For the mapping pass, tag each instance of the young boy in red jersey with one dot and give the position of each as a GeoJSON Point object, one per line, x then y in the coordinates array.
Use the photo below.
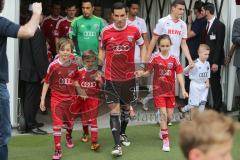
{"type": "Point", "coordinates": [89, 106]}
{"type": "Point", "coordinates": [60, 78]}
{"type": "Point", "coordinates": [165, 67]}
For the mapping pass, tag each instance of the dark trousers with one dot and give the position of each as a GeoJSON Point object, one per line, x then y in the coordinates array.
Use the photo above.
{"type": "Point", "coordinates": [215, 83]}
{"type": "Point", "coordinates": [31, 101]}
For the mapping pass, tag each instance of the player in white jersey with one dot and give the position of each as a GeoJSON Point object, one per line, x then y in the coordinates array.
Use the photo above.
{"type": "Point", "coordinates": [199, 85]}
{"type": "Point", "coordinates": [175, 28]}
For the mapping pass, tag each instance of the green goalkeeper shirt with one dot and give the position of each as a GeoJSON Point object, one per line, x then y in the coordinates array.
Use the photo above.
{"type": "Point", "coordinates": [85, 32]}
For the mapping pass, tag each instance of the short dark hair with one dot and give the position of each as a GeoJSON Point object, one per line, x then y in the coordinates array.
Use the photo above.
{"type": "Point", "coordinates": [130, 2]}
{"type": "Point", "coordinates": [55, 3]}
{"type": "Point", "coordinates": [1, 5]}
{"type": "Point", "coordinates": [164, 36]}
{"type": "Point", "coordinates": [198, 6]}
{"type": "Point", "coordinates": [87, 1]}
{"type": "Point", "coordinates": [118, 5]}
{"type": "Point", "coordinates": [88, 54]}
{"type": "Point", "coordinates": [97, 5]}
{"type": "Point", "coordinates": [209, 7]}
{"type": "Point", "coordinates": [70, 4]}
{"type": "Point", "coordinates": [178, 2]}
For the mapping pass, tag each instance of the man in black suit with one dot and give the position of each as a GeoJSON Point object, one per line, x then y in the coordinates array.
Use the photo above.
{"type": "Point", "coordinates": [214, 37]}
{"type": "Point", "coordinates": [33, 67]}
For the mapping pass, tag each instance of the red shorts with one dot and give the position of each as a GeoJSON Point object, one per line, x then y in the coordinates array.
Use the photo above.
{"type": "Point", "coordinates": [61, 115]}
{"type": "Point", "coordinates": [87, 109]}
{"type": "Point", "coordinates": [164, 102]}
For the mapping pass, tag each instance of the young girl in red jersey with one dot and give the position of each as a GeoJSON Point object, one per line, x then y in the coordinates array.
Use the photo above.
{"type": "Point", "coordinates": [89, 106]}
{"type": "Point", "coordinates": [165, 67]}
{"type": "Point", "coordinates": [60, 78]}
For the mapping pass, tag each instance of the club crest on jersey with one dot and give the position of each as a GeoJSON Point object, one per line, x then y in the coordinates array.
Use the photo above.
{"type": "Point", "coordinates": [130, 38]}
{"type": "Point", "coordinates": [170, 65]}
{"type": "Point", "coordinates": [96, 26]}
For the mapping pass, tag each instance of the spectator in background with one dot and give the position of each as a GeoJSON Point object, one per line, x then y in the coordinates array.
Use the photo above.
{"type": "Point", "coordinates": [49, 25]}
{"type": "Point", "coordinates": [33, 67]}
{"type": "Point", "coordinates": [63, 25]}
{"type": "Point", "coordinates": [10, 29]}
{"type": "Point", "coordinates": [98, 12]}
{"type": "Point", "coordinates": [214, 38]}
{"type": "Point", "coordinates": [195, 32]}
{"type": "Point", "coordinates": [208, 136]}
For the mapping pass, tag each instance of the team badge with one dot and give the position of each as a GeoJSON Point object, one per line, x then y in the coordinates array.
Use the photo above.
{"type": "Point", "coordinates": [96, 26]}
{"type": "Point", "coordinates": [130, 38]}
{"type": "Point", "coordinates": [170, 65]}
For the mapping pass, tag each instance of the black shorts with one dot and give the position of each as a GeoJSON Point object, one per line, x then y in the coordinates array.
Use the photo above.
{"type": "Point", "coordinates": [119, 92]}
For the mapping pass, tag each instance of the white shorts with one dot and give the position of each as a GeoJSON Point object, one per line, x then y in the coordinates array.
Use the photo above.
{"type": "Point", "coordinates": [198, 93]}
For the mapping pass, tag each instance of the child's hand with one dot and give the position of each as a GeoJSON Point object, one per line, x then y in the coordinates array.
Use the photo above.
{"type": "Point", "coordinates": [185, 94]}
{"type": "Point", "coordinates": [207, 84]}
{"type": "Point", "coordinates": [139, 73]}
{"type": "Point", "coordinates": [42, 105]}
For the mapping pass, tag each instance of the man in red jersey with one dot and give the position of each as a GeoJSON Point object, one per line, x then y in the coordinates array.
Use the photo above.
{"type": "Point", "coordinates": [117, 51]}
{"type": "Point", "coordinates": [49, 25]}
{"type": "Point", "coordinates": [63, 25]}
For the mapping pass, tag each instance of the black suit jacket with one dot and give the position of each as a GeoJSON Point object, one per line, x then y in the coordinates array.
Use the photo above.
{"type": "Point", "coordinates": [216, 44]}
{"type": "Point", "coordinates": [33, 58]}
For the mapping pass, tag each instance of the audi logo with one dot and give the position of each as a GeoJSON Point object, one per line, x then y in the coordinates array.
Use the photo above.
{"type": "Point", "coordinates": [204, 74]}
{"type": "Point", "coordinates": [88, 84]}
{"type": "Point", "coordinates": [66, 81]}
{"type": "Point", "coordinates": [89, 34]}
{"type": "Point", "coordinates": [125, 46]}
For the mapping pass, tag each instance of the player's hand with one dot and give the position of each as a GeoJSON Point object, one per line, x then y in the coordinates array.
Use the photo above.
{"type": "Point", "coordinates": [214, 67]}
{"type": "Point", "coordinates": [185, 94]}
{"type": "Point", "coordinates": [37, 8]}
{"type": "Point", "coordinates": [207, 84]}
{"type": "Point", "coordinates": [191, 66]}
{"type": "Point", "coordinates": [138, 73]}
{"type": "Point", "coordinates": [227, 60]}
{"type": "Point", "coordinates": [42, 106]}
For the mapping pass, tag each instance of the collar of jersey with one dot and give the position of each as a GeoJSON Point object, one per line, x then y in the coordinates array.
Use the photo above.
{"type": "Point", "coordinates": [160, 54]}
{"type": "Point", "coordinates": [120, 29]}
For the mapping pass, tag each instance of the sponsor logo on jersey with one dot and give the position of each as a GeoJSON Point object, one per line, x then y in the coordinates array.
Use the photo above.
{"type": "Point", "coordinates": [65, 81]}
{"type": "Point", "coordinates": [89, 34]}
{"type": "Point", "coordinates": [86, 84]}
{"type": "Point", "coordinates": [125, 46]}
{"type": "Point", "coordinates": [174, 32]}
{"type": "Point", "coordinates": [204, 74]}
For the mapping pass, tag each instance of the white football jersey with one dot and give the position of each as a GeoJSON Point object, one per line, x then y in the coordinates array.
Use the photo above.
{"type": "Point", "coordinates": [201, 71]}
{"type": "Point", "coordinates": [176, 29]}
{"type": "Point", "coordinates": [141, 25]}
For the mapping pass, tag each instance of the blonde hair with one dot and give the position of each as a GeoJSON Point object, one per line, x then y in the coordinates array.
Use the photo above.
{"type": "Point", "coordinates": [203, 47]}
{"type": "Point", "coordinates": [63, 42]}
{"type": "Point", "coordinates": [206, 129]}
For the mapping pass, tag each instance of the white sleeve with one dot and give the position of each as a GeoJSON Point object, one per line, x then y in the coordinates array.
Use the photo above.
{"type": "Point", "coordinates": [144, 27]}
{"type": "Point", "coordinates": [184, 31]}
{"type": "Point", "coordinates": [159, 30]}
{"type": "Point", "coordinates": [140, 41]}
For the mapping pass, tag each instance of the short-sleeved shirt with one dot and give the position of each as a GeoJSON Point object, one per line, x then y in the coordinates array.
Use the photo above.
{"type": "Point", "coordinates": [141, 24]}
{"type": "Point", "coordinates": [91, 86]}
{"type": "Point", "coordinates": [7, 29]}
{"type": "Point", "coordinates": [60, 79]}
{"type": "Point", "coordinates": [198, 27]}
{"type": "Point", "coordinates": [62, 28]}
{"type": "Point", "coordinates": [200, 73]}
{"type": "Point", "coordinates": [164, 70]}
{"type": "Point", "coordinates": [87, 32]}
{"type": "Point", "coordinates": [119, 46]}
{"type": "Point", "coordinates": [176, 29]}
{"type": "Point", "coordinates": [48, 28]}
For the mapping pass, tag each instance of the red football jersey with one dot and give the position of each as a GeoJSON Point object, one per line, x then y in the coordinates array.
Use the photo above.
{"type": "Point", "coordinates": [60, 77]}
{"type": "Point", "coordinates": [86, 81]}
{"type": "Point", "coordinates": [48, 28]}
{"type": "Point", "coordinates": [62, 28]}
{"type": "Point", "coordinates": [165, 69]}
{"type": "Point", "coordinates": [119, 46]}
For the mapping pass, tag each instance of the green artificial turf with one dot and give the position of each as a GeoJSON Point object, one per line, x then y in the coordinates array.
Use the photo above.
{"type": "Point", "coordinates": [146, 145]}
